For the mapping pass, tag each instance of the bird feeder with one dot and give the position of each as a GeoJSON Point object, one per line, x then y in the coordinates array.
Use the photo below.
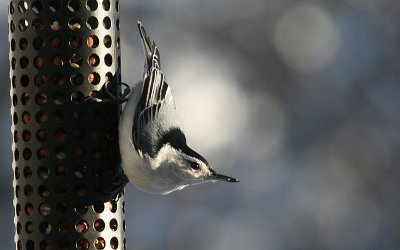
{"type": "Point", "coordinates": [65, 147]}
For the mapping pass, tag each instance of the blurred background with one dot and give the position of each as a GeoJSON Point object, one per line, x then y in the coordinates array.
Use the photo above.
{"type": "Point", "coordinates": [297, 99]}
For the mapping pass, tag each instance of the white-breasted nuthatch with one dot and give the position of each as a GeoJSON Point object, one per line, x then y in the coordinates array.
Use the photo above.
{"type": "Point", "coordinates": [154, 153]}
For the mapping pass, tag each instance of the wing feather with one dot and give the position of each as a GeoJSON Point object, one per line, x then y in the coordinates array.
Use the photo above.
{"type": "Point", "coordinates": [155, 113]}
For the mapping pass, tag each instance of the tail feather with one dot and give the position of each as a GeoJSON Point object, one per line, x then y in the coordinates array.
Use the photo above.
{"type": "Point", "coordinates": [150, 49]}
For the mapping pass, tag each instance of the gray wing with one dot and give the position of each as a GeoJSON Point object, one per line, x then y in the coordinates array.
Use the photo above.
{"type": "Point", "coordinates": [155, 114]}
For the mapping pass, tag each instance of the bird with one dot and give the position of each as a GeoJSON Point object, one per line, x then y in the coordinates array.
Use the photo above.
{"type": "Point", "coordinates": [154, 153]}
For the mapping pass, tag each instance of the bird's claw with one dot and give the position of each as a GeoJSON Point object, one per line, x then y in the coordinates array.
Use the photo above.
{"type": "Point", "coordinates": [112, 99]}
{"type": "Point", "coordinates": [119, 186]}
{"type": "Point", "coordinates": [113, 189]}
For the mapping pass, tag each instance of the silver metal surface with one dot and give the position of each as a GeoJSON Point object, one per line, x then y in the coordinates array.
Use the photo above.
{"type": "Point", "coordinates": [65, 147]}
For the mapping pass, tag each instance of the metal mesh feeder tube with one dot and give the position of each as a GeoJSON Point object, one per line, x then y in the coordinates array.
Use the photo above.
{"type": "Point", "coordinates": [65, 147]}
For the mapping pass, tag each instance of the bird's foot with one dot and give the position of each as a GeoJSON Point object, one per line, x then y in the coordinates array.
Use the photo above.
{"type": "Point", "coordinates": [118, 187]}
{"type": "Point", "coordinates": [111, 98]}
{"type": "Point", "coordinates": [113, 190]}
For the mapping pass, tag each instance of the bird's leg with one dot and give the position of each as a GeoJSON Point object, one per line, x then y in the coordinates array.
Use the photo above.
{"type": "Point", "coordinates": [114, 188]}
{"type": "Point", "coordinates": [119, 186]}
{"type": "Point", "coordinates": [112, 99]}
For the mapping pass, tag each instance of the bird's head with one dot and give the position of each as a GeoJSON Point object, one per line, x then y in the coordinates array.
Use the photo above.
{"type": "Point", "coordinates": [197, 170]}
{"type": "Point", "coordinates": [191, 168]}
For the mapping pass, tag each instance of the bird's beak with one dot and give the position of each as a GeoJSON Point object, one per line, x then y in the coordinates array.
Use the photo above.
{"type": "Point", "coordinates": [220, 177]}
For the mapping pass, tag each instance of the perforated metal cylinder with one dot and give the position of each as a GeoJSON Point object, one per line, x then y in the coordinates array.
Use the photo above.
{"type": "Point", "coordinates": [65, 146]}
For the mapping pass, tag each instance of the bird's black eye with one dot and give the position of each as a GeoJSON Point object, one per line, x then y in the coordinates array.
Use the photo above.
{"type": "Point", "coordinates": [195, 165]}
